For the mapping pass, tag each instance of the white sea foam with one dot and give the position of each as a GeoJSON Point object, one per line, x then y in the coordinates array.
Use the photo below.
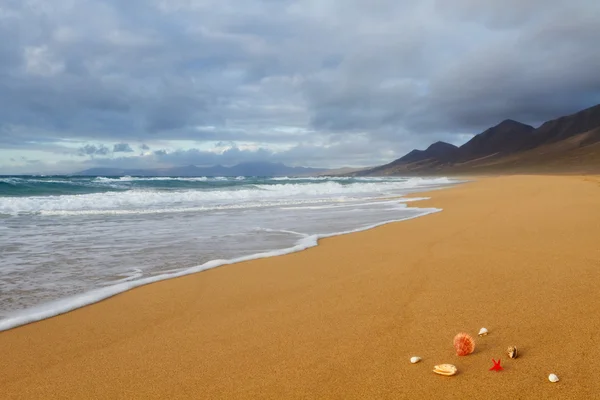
{"type": "Point", "coordinates": [283, 204]}
{"type": "Point", "coordinates": [280, 231]}
{"type": "Point", "coordinates": [68, 304]}
{"type": "Point", "coordinates": [308, 178]}
{"type": "Point", "coordinates": [149, 201]}
{"type": "Point", "coordinates": [346, 203]}
{"type": "Point", "coordinates": [132, 275]}
{"type": "Point", "coordinates": [216, 207]}
{"type": "Point", "coordinates": [14, 180]}
{"type": "Point", "coordinates": [152, 178]}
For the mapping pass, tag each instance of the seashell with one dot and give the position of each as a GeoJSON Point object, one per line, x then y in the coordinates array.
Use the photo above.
{"type": "Point", "coordinates": [464, 344]}
{"type": "Point", "coordinates": [445, 369]}
{"type": "Point", "coordinates": [415, 359]}
{"type": "Point", "coordinates": [483, 332]}
{"type": "Point", "coordinates": [553, 378]}
{"type": "Point", "coordinates": [512, 352]}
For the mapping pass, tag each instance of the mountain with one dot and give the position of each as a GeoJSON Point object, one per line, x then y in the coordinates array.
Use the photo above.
{"type": "Point", "coordinates": [440, 151]}
{"type": "Point", "coordinates": [341, 171]}
{"type": "Point", "coordinates": [506, 137]}
{"type": "Point", "coordinates": [565, 127]}
{"type": "Point", "coordinates": [432, 157]}
{"type": "Point", "coordinates": [258, 168]}
{"type": "Point", "coordinates": [567, 144]}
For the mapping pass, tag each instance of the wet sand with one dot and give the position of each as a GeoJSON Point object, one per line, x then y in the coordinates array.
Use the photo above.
{"type": "Point", "coordinates": [519, 255]}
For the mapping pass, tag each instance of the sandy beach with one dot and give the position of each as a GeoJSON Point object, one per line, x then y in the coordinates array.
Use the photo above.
{"type": "Point", "coordinates": [519, 255]}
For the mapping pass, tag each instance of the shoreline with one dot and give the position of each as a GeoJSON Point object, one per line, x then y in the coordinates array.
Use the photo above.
{"type": "Point", "coordinates": [64, 305]}
{"type": "Point", "coordinates": [516, 254]}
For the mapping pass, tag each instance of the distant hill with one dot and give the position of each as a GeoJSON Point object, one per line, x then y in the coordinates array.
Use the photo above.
{"type": "Point", "coordinates": [506, 137]}
{"type": "Point", "coordinates": [436, 155]}
{"type": "Point", "coordinates": [440, 151]}
{"type": "Point", "coordinates": [341, 171]}
{"type": "Point", "coordinates": [566, 144]}
{"type": "Point", "coordinates": [567, 127]}
{"type": "Point", "coordinates": [243, 169]}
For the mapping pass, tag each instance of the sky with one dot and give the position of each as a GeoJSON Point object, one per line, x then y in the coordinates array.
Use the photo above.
{"type": "Point", "coordinates": [321, 83]}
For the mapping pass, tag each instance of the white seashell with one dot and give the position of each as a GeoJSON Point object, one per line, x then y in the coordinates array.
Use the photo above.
{"type": "Point", "coordinates": [483, 332]}
{"type": "Point", "coordinates": [415, 359]}
{"type": "Point", "coordinates": [553, 378]}
{"type": "Point", "coordinates": [445, 369]}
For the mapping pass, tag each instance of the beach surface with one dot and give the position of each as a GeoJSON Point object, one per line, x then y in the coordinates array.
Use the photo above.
{"type": "Point", "coordinates": [519, 255]}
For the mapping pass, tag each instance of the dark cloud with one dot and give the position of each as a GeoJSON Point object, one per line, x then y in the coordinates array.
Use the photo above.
{"type": "Point", "coordinates": [201, 157]}
{"type": "Point", "coordinates": [508, 14]}
{"type": "Point", "coordinates": [93, 150]}
{"type": "Point", "coordinates": [122, 148]}
{"type": "Point", "coordinates": [336, 82]}
{"type": "Point", "coordinates": [509, 61]}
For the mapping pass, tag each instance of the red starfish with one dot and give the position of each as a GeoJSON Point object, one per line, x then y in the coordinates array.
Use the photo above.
{"type": "Point", "coordinates": [496, 366]}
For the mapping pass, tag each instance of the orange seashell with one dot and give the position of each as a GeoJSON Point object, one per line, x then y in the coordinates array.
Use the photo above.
{"type": "Point", "coordinates": [464, 344]}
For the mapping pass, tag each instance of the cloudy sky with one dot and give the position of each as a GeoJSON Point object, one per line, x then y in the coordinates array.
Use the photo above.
{"type": "Point", "coordinates": [148, 83]}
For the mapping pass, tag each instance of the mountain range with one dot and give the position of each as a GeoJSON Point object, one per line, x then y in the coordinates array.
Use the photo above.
{"type": "Point", "coordinates": [243, 169]}
{"type": "Point", "coordinates": [569, 144]}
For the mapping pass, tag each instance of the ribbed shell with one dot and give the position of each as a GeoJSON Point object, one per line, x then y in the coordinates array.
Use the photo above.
{"type": "Point", "coordinates": [512, 352]}
{"type": "Point", "coordinates": [464, 344]}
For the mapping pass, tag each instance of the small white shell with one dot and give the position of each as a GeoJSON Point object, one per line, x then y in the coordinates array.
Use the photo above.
{"type": "Point", "coordinates": [483, 332]}
{"type": "Point", "coordinates": [553, 378]}
{"type": "Point", "coordinates": [415, 359]}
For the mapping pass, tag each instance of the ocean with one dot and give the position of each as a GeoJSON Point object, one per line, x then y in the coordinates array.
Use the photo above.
{"type": "Point", "coordinates": [66, 242]}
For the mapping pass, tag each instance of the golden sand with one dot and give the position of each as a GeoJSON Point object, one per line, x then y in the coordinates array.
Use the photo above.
{"type": "Point", "coordinates": [519, 255]}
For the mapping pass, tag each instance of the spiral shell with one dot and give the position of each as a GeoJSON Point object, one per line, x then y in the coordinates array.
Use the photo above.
{"type": "Point", "coordinates": [512, 352]}
{"type": "Point", "coordinates": [464, 344]}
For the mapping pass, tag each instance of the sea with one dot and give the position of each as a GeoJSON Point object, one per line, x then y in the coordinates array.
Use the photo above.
{"type": "Point", "coordinates": [69, 241]}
